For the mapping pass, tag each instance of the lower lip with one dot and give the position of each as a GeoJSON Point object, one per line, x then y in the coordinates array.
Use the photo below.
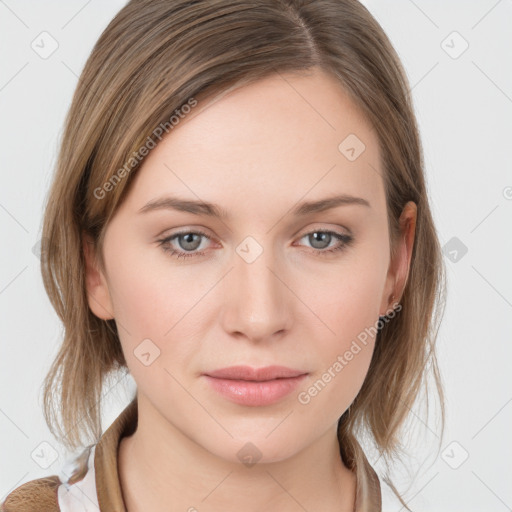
{"type": "Point", "coordinates": [252, 393]}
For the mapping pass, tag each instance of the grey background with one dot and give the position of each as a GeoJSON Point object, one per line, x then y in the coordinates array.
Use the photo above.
{"type": "Point", "coordinates": [463, 102]}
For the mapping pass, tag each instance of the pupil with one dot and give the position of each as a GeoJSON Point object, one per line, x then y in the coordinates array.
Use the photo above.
{"type": "Point", "coordinates": [321, 237]}
{"type": "Point", "coordinates": [189, 240]}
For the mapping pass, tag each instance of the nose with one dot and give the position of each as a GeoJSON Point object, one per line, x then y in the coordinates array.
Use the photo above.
{"type": "Point", "coordinates": [256, 302]}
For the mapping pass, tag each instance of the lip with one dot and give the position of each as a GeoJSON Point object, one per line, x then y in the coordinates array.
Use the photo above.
{"type": "Point", "coordinates": [257, 374]}
{"type": "Point", "coordinates": [254, 387]}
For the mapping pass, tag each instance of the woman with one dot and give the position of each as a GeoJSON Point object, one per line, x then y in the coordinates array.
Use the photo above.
{"type": "Point", "coordinates": [239, 219]}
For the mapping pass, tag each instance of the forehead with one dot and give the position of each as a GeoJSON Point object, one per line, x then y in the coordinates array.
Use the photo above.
{"type": "Point", "coordinates": [285, 137]}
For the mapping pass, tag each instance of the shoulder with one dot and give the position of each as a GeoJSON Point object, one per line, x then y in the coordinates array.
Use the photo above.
{"type": "Point", "coordinates": [44, 494]}
{"type": "Point", "coordinates": [33, 496]}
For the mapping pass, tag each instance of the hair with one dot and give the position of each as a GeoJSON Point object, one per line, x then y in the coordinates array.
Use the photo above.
{"type": "Point", "coordinates": [150, 61]}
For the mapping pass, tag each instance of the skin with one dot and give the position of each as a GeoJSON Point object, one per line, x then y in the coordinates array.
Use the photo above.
{"type": "Point", "coordinates": [257, 152]}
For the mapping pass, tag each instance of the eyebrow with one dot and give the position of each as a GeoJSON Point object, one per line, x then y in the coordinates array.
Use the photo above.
{"type": "Point", "coordinates": [213, 210]}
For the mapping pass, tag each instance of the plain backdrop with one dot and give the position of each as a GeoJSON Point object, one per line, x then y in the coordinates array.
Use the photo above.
{"type": "Point", "coordinates": [457, 58]}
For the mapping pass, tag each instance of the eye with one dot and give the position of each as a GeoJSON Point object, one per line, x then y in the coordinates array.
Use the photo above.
{"type": "Point", "coordinates": [187, 240]}
{"type": "Point", "coordinates": [321, 240]}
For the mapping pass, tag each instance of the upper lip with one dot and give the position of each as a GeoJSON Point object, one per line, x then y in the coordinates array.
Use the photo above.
{"type": "Point", "coordinates": [256, 374]}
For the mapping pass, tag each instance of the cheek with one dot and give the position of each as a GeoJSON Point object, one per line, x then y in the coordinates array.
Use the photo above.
{"type": "Point", "coordinates": [153, 300]}
{"type": "Point", "coordinates": [149, 293]}
{"type": "Point", "coordinates": [348, 301]}
{"type": "Point", "coordinates": [139, 298]}
{"type": "Point", "coordinates": [147, 313]}
{"type": "Point", "coordinates": [349, 307]}
{"type": "Point", "coordinates": [345, 357]}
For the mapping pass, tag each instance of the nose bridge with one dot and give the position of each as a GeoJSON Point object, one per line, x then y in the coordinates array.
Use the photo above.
{"type": "Point", "coordinates": [257, 299]}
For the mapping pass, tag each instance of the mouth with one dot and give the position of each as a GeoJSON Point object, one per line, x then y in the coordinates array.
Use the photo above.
{"type": "Point", "coordinates": [255, 374]}
{"type": "Point", "coordinates": [254, 387]}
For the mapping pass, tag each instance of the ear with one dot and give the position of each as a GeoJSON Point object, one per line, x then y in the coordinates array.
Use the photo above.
{"type": "Point", "coordinates": [98, 295]}
{"type": "Point", "coordinates": [399, 266]}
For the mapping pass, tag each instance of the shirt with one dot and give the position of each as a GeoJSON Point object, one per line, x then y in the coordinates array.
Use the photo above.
{"type": "Point", "coordinates": [90, 482]}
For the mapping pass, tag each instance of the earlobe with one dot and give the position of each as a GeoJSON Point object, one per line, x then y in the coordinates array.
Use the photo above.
{"type": "Point", "coordinates": [399, 268]}
{"type": "Point", "coordinates": [98, 295]}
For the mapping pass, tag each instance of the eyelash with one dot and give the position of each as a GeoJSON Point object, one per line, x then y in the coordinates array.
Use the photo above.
{"type": "Point", "coordinates": [346, 240]}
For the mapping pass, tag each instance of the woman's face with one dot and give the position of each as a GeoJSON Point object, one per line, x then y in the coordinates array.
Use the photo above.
{"type": "Point", "coordinates": [281, 277]}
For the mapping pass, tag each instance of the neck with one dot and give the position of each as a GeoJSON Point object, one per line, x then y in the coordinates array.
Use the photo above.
{"type": "Point", "coordinates": [159, 465]}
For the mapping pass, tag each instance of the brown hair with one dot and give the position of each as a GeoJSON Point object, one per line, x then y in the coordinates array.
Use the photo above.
{"type": "Point", "coordinates": [151, 60]}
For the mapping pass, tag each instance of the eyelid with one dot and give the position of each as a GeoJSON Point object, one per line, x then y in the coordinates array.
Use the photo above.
{"type": "Point", "coordinates": [169, 232]}
{"type": "Point", "coordinates": [340, 230]}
